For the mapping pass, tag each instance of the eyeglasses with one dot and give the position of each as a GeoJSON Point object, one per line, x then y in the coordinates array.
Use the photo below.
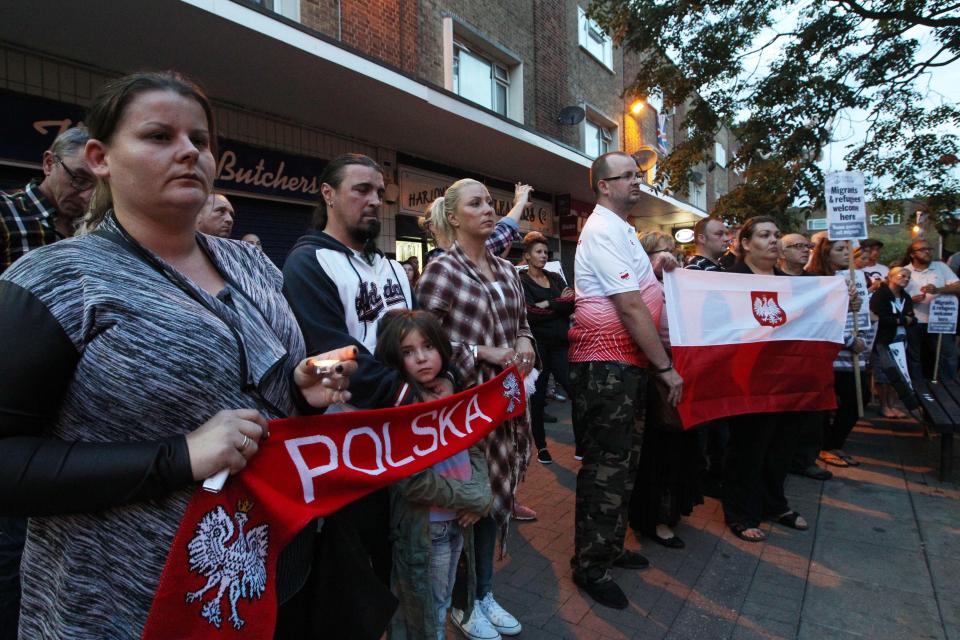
{"type": "Point", "coordinates": [78, 182]}
{"type": "Point", "coordinates": [924, 249]}
{"type": "Point", "coordinates": [632, 175]}
{"type": "Point", "coordinates": [798, 245]}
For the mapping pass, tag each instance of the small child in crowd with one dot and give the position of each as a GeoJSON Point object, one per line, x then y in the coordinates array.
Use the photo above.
{"type": "Point", "coordinates": [432, 512]}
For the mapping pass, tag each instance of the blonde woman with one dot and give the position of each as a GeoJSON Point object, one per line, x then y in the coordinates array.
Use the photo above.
{"type": "Point", "coordinates": [480, 303]}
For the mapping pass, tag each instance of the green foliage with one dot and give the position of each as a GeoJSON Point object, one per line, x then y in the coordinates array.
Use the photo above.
{"type": "Point", "coordinates": [827, 58]}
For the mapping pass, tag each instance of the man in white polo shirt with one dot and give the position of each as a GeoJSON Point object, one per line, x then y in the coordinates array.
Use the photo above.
{"type": "Point", "coordinates": [928, 279]}
{"type": "Point", "coordinates": [613, 343]}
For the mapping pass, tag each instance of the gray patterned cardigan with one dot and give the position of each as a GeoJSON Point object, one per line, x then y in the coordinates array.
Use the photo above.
{"type": "Point", "coordinates": [107, 364]}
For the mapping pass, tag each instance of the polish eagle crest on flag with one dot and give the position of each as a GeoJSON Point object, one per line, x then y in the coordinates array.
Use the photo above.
{"type": "Point", "coordinates": [766, 308]}
{"type": "Point", "coordinates": [237, 570]}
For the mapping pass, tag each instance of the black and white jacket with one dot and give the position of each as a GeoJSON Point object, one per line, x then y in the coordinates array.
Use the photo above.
{"type": "Point", "coordinates": [339, 298]}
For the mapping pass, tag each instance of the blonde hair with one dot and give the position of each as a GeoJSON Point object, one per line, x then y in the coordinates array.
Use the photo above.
{"type": "Point", "coordinates": [100, 204]}
{"type": "Point", "coordinates": [650, 239]}
{"type": "Point", "coordinates": [443, 208]}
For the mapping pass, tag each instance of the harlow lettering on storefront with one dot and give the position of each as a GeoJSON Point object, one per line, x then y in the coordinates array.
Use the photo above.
{"type": "Point", "coordinates": [227, 171]}
{"type": "Point", "coordinates": [431, 429]}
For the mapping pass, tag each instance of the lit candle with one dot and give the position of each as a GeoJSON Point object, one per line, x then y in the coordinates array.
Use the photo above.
{"type": "Point", "coordinates": [323, 367]}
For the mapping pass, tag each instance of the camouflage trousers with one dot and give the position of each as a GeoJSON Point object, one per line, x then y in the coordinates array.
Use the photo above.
{"type": "Point", "coordinates": [609, 400]}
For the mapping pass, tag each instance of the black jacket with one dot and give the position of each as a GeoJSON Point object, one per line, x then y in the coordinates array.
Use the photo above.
{"type": "Point", "coordinates": [319, 274]}
{"type": "Point", "coordinates": [550, 325]}
{"type": "Point", "coordinates": [888, 319]}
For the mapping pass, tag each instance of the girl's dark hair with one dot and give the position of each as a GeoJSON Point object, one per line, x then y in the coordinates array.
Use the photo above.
{"type": "Point", "coordinates": [108, 110]}
{"type": "Point", "coordinates": [820, 264]}
{"type": "Point", "coordinates": [333, 176]}
{"type": "Point", "coordinates": [747, 230]}
{"type": "Point", "coordinates": [397, 325]}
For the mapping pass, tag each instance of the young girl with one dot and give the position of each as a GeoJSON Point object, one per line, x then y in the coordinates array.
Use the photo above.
{"type": "Point", "coordinates": [432, 512]}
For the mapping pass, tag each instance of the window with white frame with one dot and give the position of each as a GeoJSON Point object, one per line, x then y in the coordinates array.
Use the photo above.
{"type": "Point", "coordinates": [480, 79]}
{"type": "Point", "coordinates": [286, 8]}
{"type": "Point", "coordinates": [594, 40]}
{"type": "Point", "coordinates": [719, 154]}
{"type": "Point", "coordinates": [482, 71]}
{"type": "Point", "coordinates": [597, 139]}
{"type": "Point", "coordinates": [698, 190]}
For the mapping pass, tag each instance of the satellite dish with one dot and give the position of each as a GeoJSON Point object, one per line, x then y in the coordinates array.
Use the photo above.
{"type": "Point", "coordinates": [571, 115]}
{"type": "Point", "coordinates": [645, 157]}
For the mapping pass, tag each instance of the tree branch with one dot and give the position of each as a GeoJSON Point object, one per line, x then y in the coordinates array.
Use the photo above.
{"type": "Point", "coordinates": [907, 16]}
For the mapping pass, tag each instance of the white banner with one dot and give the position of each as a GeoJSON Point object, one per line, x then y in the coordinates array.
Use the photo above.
{"type": "Point", "coordinates": [846, 205]}
{"type": "Point", "coordinates": [899, 352]}
{"type": "Point", "coordinates": [712, 308]}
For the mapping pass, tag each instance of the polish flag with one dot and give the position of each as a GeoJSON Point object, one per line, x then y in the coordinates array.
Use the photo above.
{"type": "Point", "coordinates": [753, 344]}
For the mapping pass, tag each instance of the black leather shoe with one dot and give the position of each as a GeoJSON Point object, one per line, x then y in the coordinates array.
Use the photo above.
{"type": "Point", "coordinates": [631, 560]}
{"type": "Point", "coordinates": [817, 473]}
{"type": "Point", "coordinates": [605, 591]}
{"type": "Point", "coordinates": [670, 543]}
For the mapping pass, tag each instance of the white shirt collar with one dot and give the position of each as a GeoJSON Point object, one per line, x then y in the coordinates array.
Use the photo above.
{"type": "Point", "coordinates": [612, 215]}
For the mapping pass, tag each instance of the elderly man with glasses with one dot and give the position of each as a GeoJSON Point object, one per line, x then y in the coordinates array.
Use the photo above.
{"type": "Point", "coordinates": [794, 254]}
{"type": "Point", "coordinates": [928, 279]}
{"type": "Point", "coordinates": [41, 213]}
{"type": "Point", "coordinates": [47, 210]}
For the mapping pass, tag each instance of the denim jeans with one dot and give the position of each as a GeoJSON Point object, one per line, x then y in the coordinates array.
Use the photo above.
{"type": "Point", "coordinates": [446, 543]}
{"type": "Point", "coordinates": [484, 546]}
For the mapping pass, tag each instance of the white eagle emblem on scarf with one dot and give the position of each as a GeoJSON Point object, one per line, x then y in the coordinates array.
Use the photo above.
{"type": "Point", "coordinates": [238, 570]}
{"type": "Point", "coordinates": [511, 390]}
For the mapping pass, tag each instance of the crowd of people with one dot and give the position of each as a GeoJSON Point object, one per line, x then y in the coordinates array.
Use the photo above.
{"type": "Point", "coordinates": [150, 351]}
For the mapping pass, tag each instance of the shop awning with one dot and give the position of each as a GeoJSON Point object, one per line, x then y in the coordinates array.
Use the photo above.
{"type": "Point", "coordinates": [258, 61]}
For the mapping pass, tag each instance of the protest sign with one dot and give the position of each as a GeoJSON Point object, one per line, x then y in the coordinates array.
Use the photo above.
{"type": "Point", "coordinates": [846, 206]}
{"type": "Point", "coordinates": [943, 315]}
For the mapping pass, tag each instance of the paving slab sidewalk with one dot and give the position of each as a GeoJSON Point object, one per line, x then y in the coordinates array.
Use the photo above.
{"type": "Point", "coordinates": [881, 559]}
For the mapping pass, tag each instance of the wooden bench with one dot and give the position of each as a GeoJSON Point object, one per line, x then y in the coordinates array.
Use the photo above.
{"type": "Point", "coordinates": [941, 408]}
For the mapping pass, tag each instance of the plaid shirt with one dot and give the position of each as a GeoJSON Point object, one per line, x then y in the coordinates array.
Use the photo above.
{"type": "Point", "coordinates": [474, 310]}
{"type": "Point", "coordinates": [26, 223]}
{"type": "Point", "coordinates": [502, 236]}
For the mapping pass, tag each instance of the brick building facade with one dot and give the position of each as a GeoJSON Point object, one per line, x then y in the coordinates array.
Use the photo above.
{"type": "Point", "coordinates": [296, 82]}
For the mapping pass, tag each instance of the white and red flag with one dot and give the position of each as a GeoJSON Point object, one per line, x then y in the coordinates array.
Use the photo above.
{"type": "Point", "coordinates": [753, 344]}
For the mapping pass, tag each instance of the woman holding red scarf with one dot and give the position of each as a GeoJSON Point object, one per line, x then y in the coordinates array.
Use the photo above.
{"type": "Point", "coordinates": [138, 360]}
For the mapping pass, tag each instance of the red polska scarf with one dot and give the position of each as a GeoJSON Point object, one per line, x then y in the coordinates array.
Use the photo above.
{"type": "Point", "coordinates": [219, 578]}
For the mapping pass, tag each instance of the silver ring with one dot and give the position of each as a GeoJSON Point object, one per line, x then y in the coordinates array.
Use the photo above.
{"type": "Point", "coordinates": [245, 443]}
